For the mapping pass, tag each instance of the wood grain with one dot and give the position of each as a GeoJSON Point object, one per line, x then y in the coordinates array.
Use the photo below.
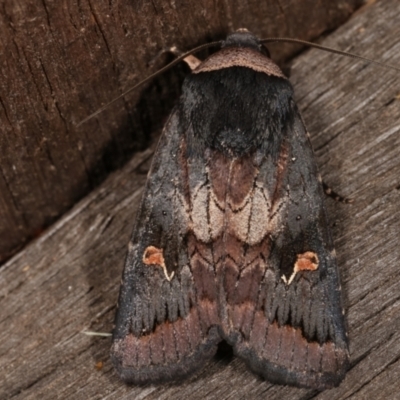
{"type": "Point", "coordinates": [67, 280]}
{"type": "Point", "coordinates": [61, 61]}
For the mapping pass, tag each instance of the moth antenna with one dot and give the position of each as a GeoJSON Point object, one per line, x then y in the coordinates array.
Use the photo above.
{"type": "Point", "coordinates": [160, 71]}
{"type": "Point", "coordinates": [330, 50]}
{"type": "Point", "coordinates": [207, 45]}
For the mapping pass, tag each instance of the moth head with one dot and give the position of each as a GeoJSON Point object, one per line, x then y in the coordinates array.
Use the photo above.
{"type": "Point", "coordinates": [244, 38]}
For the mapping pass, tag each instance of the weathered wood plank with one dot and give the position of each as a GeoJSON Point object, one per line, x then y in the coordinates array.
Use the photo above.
{"type": "Point", "coordinates": [68, 279]}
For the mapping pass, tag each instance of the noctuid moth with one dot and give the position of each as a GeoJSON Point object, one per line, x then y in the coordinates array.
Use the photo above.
{"type": "Point", "coordinates": [231, 241]}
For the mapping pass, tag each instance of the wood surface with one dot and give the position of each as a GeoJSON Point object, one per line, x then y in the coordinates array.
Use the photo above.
{"type": "Point", "coordinates": [67, 280]}
{"type": "Point", "coordinates": [62, 60]}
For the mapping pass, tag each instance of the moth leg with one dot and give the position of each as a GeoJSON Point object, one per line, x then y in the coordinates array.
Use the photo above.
{"type": "Point", "coordinates": [335, 196]}
{"type": "Point", "coordinates": [191, 60]}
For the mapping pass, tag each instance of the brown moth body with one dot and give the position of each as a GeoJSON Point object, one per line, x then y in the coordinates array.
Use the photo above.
{"type": "Point", "coordinates": [233, 214]}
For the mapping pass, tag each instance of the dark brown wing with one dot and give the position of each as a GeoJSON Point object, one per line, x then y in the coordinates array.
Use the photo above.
{"type": "Point", "coordinates": [167, 308]}
{"type": "Point", "coordinates": [284, 314]}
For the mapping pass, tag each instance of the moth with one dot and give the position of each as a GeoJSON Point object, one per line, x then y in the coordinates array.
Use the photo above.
{"type": "Point", "coordinates": [231, 240]}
